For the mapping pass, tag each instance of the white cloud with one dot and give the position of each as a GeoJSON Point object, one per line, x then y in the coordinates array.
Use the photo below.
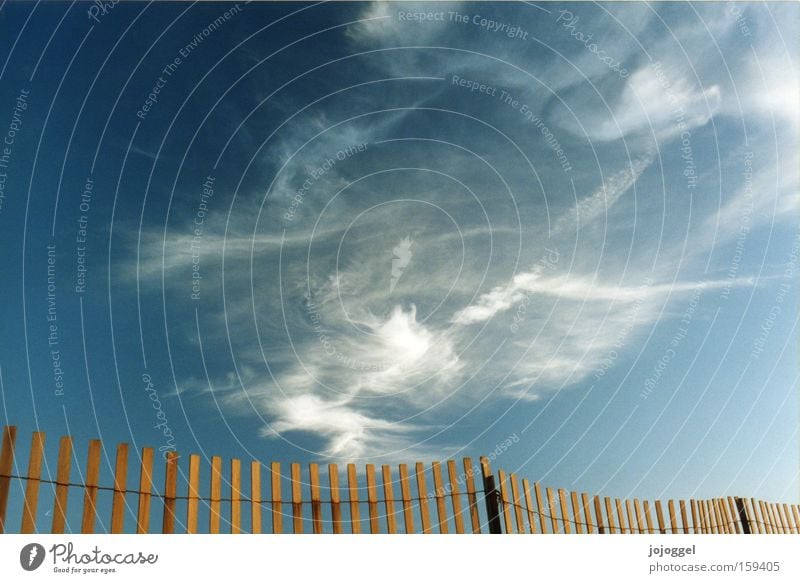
{"type": "Point", "coordinates": [652, 102]}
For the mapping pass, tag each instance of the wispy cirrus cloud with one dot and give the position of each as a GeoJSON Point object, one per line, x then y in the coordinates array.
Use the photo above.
{"type": "Point", "coordinates": [330, 342]}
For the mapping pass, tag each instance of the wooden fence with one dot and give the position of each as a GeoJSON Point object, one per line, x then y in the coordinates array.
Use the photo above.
{"type": "Point", "coordinates": [466, 498]}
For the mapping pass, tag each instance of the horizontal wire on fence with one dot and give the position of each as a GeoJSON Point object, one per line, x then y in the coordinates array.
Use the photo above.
{"type": "Point", "coordinates": [498, 498]}
{"type": "Point", "coordinates": [156, 494]}
{"type": "Point", "coordinates": [267, 503]}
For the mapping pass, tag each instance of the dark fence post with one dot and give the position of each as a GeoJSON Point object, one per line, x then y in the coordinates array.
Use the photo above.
{"type": "Point", "coordinates": [743, 516]}
{"type": "Point", "coordinates": [491, 494]}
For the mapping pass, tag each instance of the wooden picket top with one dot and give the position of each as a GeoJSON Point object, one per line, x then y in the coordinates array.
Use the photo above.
{"type": "Point", "coordinates": [193, 495]}
{"type": "Point", "coordinates": [277, 516]}
{"type": "Point", "coordinates": [32, 484]}
{"type": "Point", "coordinates": [236, 496]}
{"type": "Point", "coordinates": [62, 486]}
{"type": "Point", "coordinates": [316, 499]}
{"type": "Point", "coordinates": [405, 496]}
{"type": "Point", "coordinates": [499, 502]}
{"type": "Point", "coordinates": [388, 497]}
{"type": "Point", "coordinates": [336, 509]}
{"type": "Point", "coordinates": [215, 513]}
{"type": "Point", "coordinates": [372, 500]}
{"type": "Point", "coordinates": [170, 491]}
{"type": "Point", "coordinates": [352, 485]}
{"type": "Point", "coordinates": [424, 514]}
{"type": "Point", "coordinates": [297, 500]}
{"type": "Point", "coordinates": [145, 486]}
{"type": "Point", "coordinates": [255, 496]}
{"type": "Point", "coordinates": [622, 527]}
{"type": "Point", "coordinates": [120, 489]}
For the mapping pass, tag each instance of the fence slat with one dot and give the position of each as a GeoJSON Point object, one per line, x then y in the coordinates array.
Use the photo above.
{"type": "Point", "coordinates": [515, 497]}
{"type": "Point", "coordinates": [551, 508]}
{"type": "Point", "coordinates": [275, 494]}
{"type": "Point", "coordinates": [648, 517]}
{"type": "Point", "coordinates": [490, 497]}
{"type": "Point", "coordinates": [170, 491]}
{"type": "Point", "coordinates": [763, 514]}
{"type": "Point", "coordinates": [405, 496]}
{"type": "Point", "coordinates": [438, 494]}
{"type": "Point", "coordinates": [638, 510]}
{"type": "Point", "coordinates": [352, 485]}
{"type": "Point", "coordinates": [526, 488]}
{"type": "Point", "coordinates": [505, 501]}
{"type": "Point", "coordinates": [775, 508]}
{"type": "Point", "coordinates": [32, 485]}
{"type": "Point", "coordinates": [776, 524]}
{"type": "Point", "coordinates": [684, 517]}
{"type": "Point", "coordinates": [537, 491]}
{"type": "Point", "coordinates": [6, 468]}
{"type": "Point", "coordinates": [388, 498]}
{"type": "Point", "coordinates": [776, 516]}
{"type": "Point", "coordinates": [145, 488]}
{"type": "Point", "coordinates": [62, 485]}
{"type": "Point", "coordinates": [634, 527]}
{"type": "Point", "coordinates": [120, 489]}
{"type": "Point", "coordinates": [455, 496]}
{"type": "Point", "coordinates": [712, 518]}
{"type": "Point", "coordinates": [236, 496]}
{"type": "Point", "coordinates": [576, 512]}
{"type": "Point", "coordinates": [316, 499]}
{"type": "Point", "coordinates": [372, 500]}
{"type": "Point", "coordinates": [193, 494]}
{"type": "Point", "coordinates": [768, 518]}
{"type": "Point", "coordinates": [719, 508]}
{"type": "Point", "coordinates": [562, 501]}
{"type": "Point", "coordinates": [738, 518]}
{"type": "Point", "coordinates": [719, 519]}
{"type": "Point", "coordinates": [796, 514]}
{"type": "Point", "coordinates": [336, 501]}
{"type": "Point", "coordinates": [752, 517]}
{"type": "Point", "coordinates": [733, 511]}
{"type": "Point", "coordinates": [587, 512]}
{"type": "Point", "coordinates": [255, 497]}
{"type": "Point", "coordinates": [701, 515]}
{"type": "Point", "coordinates": [472, 499]}
{"type": "Point", "coordinates": [610, 516]}
{"type": "Point", "coordinates": [771, 518]}
{"type": "Point", "coordinates": [696, 518]}
{"type": "Point", "coordinates": [716, 520]}
{"type": "Point", "coordinates": [787, 519]}
{"type": "Point", "coordinates": [216, 495]}
{"type": "Point", "coordinates": [598, 512]}
{"type": "Point", "coordinates": [92, 478]}
{"type": "Point", "coordinates": [621, 515]}
{"type": "Point", "coordinates": [673, 518]}
{"type": "Point", "coordinates": [297, 499]}
{"type": "Point", "coordinates": [662, 528]}
{"type": "Point", "coordinates": [727, 518]}
{"type": "Point", "coordinates": [422, 494]}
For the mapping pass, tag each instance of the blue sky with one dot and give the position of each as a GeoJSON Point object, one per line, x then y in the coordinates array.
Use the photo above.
{"type": "Point", "coordinates": [342, 232]}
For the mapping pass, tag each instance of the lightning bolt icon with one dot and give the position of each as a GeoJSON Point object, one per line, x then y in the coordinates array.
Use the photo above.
{"type": "Point", "coordinates": [34, 552]}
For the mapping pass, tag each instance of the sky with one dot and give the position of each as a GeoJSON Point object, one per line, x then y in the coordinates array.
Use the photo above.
{"type": "Point", "coordinates": [396, 232]}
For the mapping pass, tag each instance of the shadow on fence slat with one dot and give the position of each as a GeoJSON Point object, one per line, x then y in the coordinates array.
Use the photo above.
{"type": "Point", "coordinates": [504, 503]}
